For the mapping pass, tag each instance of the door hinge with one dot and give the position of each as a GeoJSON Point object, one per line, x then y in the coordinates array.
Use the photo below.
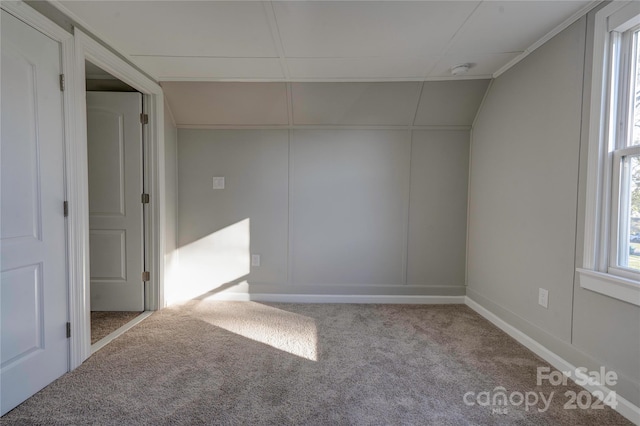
{"type": "Point", "coordinates": [62, 82]}
{"type": "Point", "coordinates": [146, 276]}
{"type": "Point", "coordinates": [68, 330]}
{"type": "Point", "coordinates": [65, 208]}
{"type": "Point", "coordinates": [144, 118]}
{"type": "Point", "coordinates": [145, 198]}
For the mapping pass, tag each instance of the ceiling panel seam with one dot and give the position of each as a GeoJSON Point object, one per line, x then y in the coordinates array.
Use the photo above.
{"type": "Point", "coordinates": [269, 9]}
{"type": "Point", "coordinates": [289, 103]}
{"type": "Point", "coordinates": [415, 114]}
{"type": "Point", "coordinates": [275, 36]}
{"type": "Point", "coordinates": [447, 46]}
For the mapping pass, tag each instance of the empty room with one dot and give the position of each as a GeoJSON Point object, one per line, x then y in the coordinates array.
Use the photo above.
{"type": "Point", "coordinates": [320, 212]}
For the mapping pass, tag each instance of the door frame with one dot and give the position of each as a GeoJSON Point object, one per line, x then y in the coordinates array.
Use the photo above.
{"type": "Point", "coordinates": [86, 48]}
{"type": "Point", "coordinates": [75, 49]}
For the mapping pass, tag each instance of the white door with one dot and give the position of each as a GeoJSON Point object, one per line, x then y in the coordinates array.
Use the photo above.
{"type": "Point", "coordinates": [114, 138]}
{"type": "Point", "coordinates": [33, 283]}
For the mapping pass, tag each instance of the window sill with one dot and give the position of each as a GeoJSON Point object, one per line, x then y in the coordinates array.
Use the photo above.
{"type": "Point", "coordinates": [610, 285]}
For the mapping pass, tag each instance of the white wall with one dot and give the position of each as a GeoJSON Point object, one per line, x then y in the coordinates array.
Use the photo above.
{"type": "Point", "coordinates": [348, 204]}
{"type": "Point", "coordinates": [171, 206]}
{"type": "Point", "coordinates": [219, 228]}
{"type": "Point", "coordinates": [439, 164]}
{"type": "Point", "coordinates": [526, 213]}
{"type": "Point", "coordinates": [341, 188]}
{"type": "Point", "coordinates": [329, 211]}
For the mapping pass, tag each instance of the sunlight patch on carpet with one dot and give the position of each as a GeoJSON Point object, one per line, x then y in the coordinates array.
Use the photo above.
{"type": "Point", "coordinates": [292, 333]}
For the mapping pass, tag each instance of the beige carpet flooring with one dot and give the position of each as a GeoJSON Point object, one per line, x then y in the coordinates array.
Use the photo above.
{"type": "Point", "coordinates": [105, 323]}
{"type": "Point", "coordinates": [245, 363]}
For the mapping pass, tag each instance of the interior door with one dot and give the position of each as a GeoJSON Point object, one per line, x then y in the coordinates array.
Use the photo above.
{"type": "Point", "coordinates": [33, 283]}
{"type": "Point", "coordinates": [114, 137]}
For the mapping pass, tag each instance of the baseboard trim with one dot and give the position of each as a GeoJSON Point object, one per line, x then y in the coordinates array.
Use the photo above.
{"type": "Point", "coordinates": [119, 332]}
{"type": "Point", "coordinates": [625, 407]}
{"type": "Point", "coordinates": [330, 298]}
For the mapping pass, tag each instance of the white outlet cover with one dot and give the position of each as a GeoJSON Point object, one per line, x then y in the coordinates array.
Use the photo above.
{"type": "Point", "coordinates": [218, 182]}
{"type": "Point", "coordinates": [255, 260]}
{"type": "Point", "coordinates": [543, 298]}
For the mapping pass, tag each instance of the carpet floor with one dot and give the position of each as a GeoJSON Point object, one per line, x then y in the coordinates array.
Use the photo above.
{"type": "Point", "coordinates": [246, 363]}
{"type": "Point", "coordinates": [104, 323]}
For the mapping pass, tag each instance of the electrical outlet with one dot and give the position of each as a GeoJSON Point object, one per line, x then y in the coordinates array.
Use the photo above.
{"type": "Point", "coordinates": [218, 182]}
{"type": "Point", "coordinates": [255, 260]}
{"type": "Point", "coordinates": [543, 297]}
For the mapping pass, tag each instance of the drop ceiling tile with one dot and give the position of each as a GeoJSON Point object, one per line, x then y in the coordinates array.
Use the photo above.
{"type": "Point", "coordinates": [450, 103]}
{"type": "Point", "coordinates": [511, 26]}
{"type": "Point", "coordinates": [176, 68]}
{"type": "Point", "coordinates": [390, 103]}
{"type": "Point", "coordinates": [359, 68]}
{"type": "Point", "coordinates": [481, 65]}
{"type": "Point", "coordinates": [184, 28]}
{"type": "Point", "coordinates": [363, 29]}
{"type": "Point", "coordinates": [217, 103]}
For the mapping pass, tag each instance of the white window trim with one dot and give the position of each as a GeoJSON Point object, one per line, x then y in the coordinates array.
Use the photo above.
{"type": "Point", "coordinates": [595, 272]}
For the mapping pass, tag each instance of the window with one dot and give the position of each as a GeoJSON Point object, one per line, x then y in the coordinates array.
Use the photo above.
{"type": "Point", "coordinates": [612, 232]}
{"type": "Point", "coordinates": [624, 143]}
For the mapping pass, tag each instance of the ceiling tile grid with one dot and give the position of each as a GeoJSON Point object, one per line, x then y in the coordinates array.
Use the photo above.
{"type": "Point", "coordinates": [320, 40]}
{"type": "Point", "coordinates": [368, 29]}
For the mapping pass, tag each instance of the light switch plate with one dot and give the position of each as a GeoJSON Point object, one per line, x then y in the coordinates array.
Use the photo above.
{"type": "Point", "coordinates": [218, 182]}
{"type": "Point", "coordinates": [255, 260]}
{"type": "Point", "coordinates": [543, 297]}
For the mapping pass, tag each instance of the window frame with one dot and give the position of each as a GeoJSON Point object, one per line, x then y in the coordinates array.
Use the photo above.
{"type": "Point", "coordinates": [600, 271]}
{"type": "Point", "coordinates": [621, 97]}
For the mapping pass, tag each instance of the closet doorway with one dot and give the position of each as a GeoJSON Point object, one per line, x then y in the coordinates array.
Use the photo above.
{"type": "Point", "coordinates": [115, 154]}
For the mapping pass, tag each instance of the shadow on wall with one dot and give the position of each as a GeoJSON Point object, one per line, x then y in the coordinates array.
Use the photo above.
{"type": "Point", "coordinates": [214, 262]}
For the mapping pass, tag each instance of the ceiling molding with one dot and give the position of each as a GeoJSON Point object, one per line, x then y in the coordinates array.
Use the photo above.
{"type": "Point", "coordinates": [326, 80]}
{"type": "Point", "coordinates": [554, 32]}
{"type": "Point", "coordinates": [321, 127]}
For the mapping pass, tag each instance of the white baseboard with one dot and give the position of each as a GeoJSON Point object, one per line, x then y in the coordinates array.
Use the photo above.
{"type": "Point", "coordinates": [331, 298]}
{"type": "Point", "coordinates": [119, 332]}
{"type": "Point", "coordinates": [624, 407]}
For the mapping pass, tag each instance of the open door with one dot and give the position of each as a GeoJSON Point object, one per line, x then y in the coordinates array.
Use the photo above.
{"type": "Point", "coordinates": [115, 149]}
{"type": "Point", "coordinates": [33, 281]}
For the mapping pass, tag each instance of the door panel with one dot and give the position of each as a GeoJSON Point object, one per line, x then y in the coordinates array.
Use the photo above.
{"type": "Point", "coordinates": [23, 307]}
{"type": "Point", "coordinates": [109, 246]}
{"type": "Point", "coordinates": [114, 134]}
{"type": "Point", "coordinates": [107, 176]}
{"type": "Point", "coordinates": [33, 287]}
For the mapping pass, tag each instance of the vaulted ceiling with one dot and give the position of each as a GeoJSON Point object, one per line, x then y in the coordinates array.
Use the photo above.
{"type": "Point", "coordinates": [321, 40]}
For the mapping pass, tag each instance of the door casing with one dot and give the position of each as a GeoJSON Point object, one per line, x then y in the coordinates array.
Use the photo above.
{"type": "Point", "coordinates": [87, 49]}
{"type": "Point", "coordinates": [76, 48]}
